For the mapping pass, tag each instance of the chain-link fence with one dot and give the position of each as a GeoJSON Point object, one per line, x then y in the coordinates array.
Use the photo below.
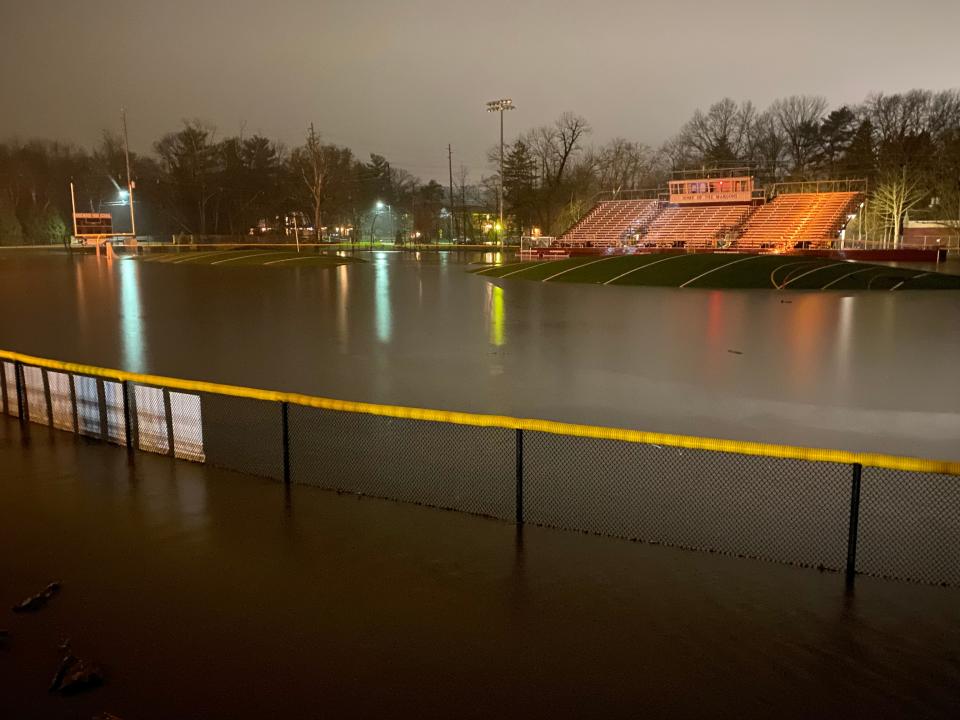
{"type": "Point", "coordinates": [848, 517]}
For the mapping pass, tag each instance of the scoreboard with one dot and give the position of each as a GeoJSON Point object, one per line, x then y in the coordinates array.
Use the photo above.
{"type": "Point", "coordinates": [93, 224]}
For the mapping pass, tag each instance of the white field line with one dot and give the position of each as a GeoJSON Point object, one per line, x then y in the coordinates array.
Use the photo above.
{"type": "Point", "coordinates": [194, 256]}
{"type": "Point", "coordinates": [501, 267]}
{"type": "Point", "coordinates": [912, 277]}
{"type": "Point", "coordinates": [299, 257]}
{"type": "Point", "coordinates": [773, 279]}
{"type": "Point", "coordinates": [810, 272]}
{"type": "Point", "coordinates": [844, 277]}
{"type": "Point", "coordinates": [528, 267]}
{"type": "Point", "coordinates": [243, 257]}
{"type": "Point", "coordinates": [645, 265]}
{"type": "Point", "coordinates": [720, 267]}
{"type": "Point", "coordinates": [583, 265]}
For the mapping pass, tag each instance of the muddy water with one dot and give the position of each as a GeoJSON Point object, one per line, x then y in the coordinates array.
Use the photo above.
{"type": "Point", "coordinates": [210, 594]}
{"type": "Point", "coordinates": [861, 371]}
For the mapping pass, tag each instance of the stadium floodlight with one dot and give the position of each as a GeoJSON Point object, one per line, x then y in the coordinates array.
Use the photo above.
{"type": "Point", "coordinates": [500, 106]}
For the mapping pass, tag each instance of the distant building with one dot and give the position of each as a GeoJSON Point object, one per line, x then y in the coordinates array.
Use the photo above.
{"type": "Point", "coordinates": [931, 234]}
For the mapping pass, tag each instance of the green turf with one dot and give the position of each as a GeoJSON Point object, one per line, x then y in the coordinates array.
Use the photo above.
{"type": "Point", "coordinates": [725, 271]}
{"type": "Point", "coordinates": [261, 257]}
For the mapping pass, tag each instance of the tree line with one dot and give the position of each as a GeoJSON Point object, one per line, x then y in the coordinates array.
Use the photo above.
{"type": "Point", "coordinates": [905, 145]}
{"type": "Point", "coordinates": [197, 184]}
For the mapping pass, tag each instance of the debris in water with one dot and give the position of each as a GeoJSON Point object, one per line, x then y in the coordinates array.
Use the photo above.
{"type": "Point", "coordinates": [65, 664]}
{"type": "Point", "coordinates": [734, 352]}
{"type": "Point", "coordinates": [786, 302]}
{"type": "Point", "coordinates": [35, 602]}
{"type": "Point", "coordinates": [82, 676]}
{"type": "Point", "coordinates": [75, 675]}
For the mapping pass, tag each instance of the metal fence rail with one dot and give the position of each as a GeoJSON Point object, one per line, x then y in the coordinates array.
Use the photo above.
{"type": "Point", "coordinates": [882, 515]}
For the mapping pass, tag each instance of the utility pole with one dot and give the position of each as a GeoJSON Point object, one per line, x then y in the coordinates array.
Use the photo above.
{"type": "Point", "coordinates": [73, 204]}
{"type": "Point", "coordinates": [126, 153]}
{"type": "Point", "coordinates": [450, 166]}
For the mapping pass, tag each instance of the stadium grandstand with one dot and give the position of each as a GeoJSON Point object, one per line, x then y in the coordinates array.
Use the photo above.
{"type": "Point", "coordinates": [721, 211]}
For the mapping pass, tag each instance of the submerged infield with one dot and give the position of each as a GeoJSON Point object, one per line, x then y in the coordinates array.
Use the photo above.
{"type": "Point", "coordinates": [725, 271]}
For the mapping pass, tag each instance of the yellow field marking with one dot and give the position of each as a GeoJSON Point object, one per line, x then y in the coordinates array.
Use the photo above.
{"type": "Point", "coordinates": [721, 267]}
{"type": "Point", "coordinates": [645, 265]}
{"type": "Point", "coordinates": [244, 257]}
{"type": "Point", "coordinates": [810, 272]}
{"type": "Point", "coordinates": [844, 277]}
{"type": "Point", "coordinates": [892, 462]}
{"type": "Point", "coordinates": [581, 265]}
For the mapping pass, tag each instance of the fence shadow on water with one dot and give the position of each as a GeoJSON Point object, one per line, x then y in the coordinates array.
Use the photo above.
{"type": "Point", "coordinates": [853, 513]}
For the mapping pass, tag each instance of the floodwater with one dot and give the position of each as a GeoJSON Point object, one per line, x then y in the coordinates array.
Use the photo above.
{"type": "Point", "coordinates": [205, 593]}
{"type": "Point", "coordinates": [868, 371]}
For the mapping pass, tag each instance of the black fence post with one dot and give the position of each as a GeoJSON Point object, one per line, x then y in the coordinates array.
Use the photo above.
{"type": "Point", "coordinates": [21, 394]}
{"type": "Point", "coordinates": [74, 413]}
{"type": "Point", "coordinates": [127, 430]}
{"type": "Point", "coordinates": [168, 414]}
{"type": "Point", "coordinates": [854, 522]}
{"type": "Point", "coordinates": [284, 423]}
{"type": "Point", "coordinates": [519, 476]}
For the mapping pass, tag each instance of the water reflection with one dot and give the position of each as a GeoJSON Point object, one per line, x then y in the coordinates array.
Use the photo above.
{"type": "Point", "coordinates": [134, 343]}
{"type": "Point", "coordinates": [343, 292]}
{"type": "Point", "coordinates": [495, 305]}
{"type": "Point", "coordinates": [383, 311]}
{"type": "Point", "coordinates": [843, 340]}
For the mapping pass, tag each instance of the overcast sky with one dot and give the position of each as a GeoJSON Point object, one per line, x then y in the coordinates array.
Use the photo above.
{"type": "Point", "coordinates": [405, 77]}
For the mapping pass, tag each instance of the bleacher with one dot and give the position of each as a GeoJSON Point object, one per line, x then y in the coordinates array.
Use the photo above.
{"type": "Point", "coordinates": [610, 223]}
{"type": "Point", "coordinates": [793, 220]}
{"type": "Point", "coordinates": [695, 226]}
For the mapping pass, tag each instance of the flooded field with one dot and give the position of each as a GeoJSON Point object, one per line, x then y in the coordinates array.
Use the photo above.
{"type": "Point", "coordinates": [207, 593]}
{"type": "Point", "coordinates": [860, 371]}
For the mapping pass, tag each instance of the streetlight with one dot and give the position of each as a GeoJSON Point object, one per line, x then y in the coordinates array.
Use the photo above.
{"type": "Point", "coordinates": [379, 209]}
{"type": "Point", "coordinates": [499, 106]}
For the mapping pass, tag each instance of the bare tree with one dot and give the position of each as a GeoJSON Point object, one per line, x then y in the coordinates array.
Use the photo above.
{"type": "Point", "coordinates": [310, 165]}
{"type": "Point", "coordinates": [622, 164]}
{"type": "Point", "coordinates": [897, 194]}
{"type": "Point", "coordinates": [555, 149]}
{"type": "Point", "coordinates": [798, 118]}
{"type": "Point", "coordinates": [719, 136]}
{"type": "Point", "coordinates": [767, 144]}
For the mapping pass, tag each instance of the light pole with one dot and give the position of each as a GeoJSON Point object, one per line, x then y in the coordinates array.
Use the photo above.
{"type": "Point", "coordinates": [379, 209]}
{"type": "Point", "coordinates": [126, 154]}
{"type": "Point", "coordinates": [499, 106]}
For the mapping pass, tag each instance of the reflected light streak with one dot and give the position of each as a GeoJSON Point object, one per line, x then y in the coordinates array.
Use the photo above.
{"type": "Point", "coordinates": [382, 309]}
{"type": "Point", "coordinates": [844, 336]}
{"type": "Point", "coordinates": [343, 291]}
{"type": "Point", "coordinates": [497, 311]}
{"type": "Point", "coordinates": [134, 342]}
